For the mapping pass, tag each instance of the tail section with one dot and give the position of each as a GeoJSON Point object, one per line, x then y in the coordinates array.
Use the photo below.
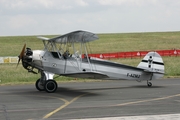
{"type": "Point", "coordinates": [152, 63]}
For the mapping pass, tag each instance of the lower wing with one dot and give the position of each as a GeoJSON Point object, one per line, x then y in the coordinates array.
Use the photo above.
{"type": "Point", "coordinates": [89, 75]}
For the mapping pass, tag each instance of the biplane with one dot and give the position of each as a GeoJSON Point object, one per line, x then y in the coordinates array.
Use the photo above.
{"type": "Point", "coordinates": [57, 58]}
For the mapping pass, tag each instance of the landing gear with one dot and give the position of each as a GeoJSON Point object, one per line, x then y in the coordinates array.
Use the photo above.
{"type": "Point", "coordinates": [46, 82]}
{"type": "Point", "coordinates": [149, 84]}
{"type": "Point", "coordinates": [50, 86]}
{"type": "Point", "coordinates": [39, 85]}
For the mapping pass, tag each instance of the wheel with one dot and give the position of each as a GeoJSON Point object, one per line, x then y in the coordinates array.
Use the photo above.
{"type": "Point", "coordinates": [149, 84]}
{"type": "Point", "coordinates": [50, 86]}
{"type": "Point", "coordinates": [39, 85]}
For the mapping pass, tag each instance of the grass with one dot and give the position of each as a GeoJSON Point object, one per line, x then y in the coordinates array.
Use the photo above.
{"type": "Point", "coordinates": [136, 41]}
{"type": "Point", "coordinates": [11, 75]}
{"type": "Point", "coordinates": [12, 45]}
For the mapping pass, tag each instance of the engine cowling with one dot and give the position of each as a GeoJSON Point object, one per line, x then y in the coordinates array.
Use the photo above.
{"type": "Point", "coordinates": [28, 55]}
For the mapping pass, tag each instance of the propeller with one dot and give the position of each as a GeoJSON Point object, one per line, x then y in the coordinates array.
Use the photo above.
{"type": "Point", "coordinates": [21, 55]}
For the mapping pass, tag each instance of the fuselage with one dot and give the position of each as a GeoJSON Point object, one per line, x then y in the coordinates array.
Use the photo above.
{"type": "Point", "coordinates": [54, 62]}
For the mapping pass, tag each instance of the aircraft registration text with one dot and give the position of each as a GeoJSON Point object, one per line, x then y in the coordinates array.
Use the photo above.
{"type": "Point", "coordinates": [133, 75]}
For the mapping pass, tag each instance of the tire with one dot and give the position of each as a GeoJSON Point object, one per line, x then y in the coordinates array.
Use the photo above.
{"type": "Point", "coordinates": [50, 86]}
{"type": "Point", "coordinates": [149, 84]}
{"type": "Point", "coordinates": [39, 86]}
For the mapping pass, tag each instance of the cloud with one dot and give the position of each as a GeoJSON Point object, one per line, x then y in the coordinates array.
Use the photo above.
{"type": "Point", "coordinates": [100, 16]}
{"type": "Point", "coordinates": [21, 21]}
{"type": "Point", "coordinates": [81, 3]}
{"type": "Point", "coordinates": [126, 2]}
{"type": "Point", "coordinates": [110, 2]}
{"type": "Point", "coordinates": [41, 4]}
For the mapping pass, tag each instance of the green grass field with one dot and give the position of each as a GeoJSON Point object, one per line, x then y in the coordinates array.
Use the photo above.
{"type": "Point", "coordinates": [11, 46]}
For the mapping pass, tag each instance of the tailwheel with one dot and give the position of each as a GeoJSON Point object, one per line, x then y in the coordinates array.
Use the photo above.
{"type": "Point", "coordinates": [149, 84]}
{"type": "Point", "coordinates": [39, 85]}
{"type": "Point", "coordinates": [50, 86]}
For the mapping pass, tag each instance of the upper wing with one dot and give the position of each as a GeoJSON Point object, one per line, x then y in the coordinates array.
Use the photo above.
{"type": "Point", "coordinates": [76, 36]}
{"type": "Point", "coordinates": [89, 75]}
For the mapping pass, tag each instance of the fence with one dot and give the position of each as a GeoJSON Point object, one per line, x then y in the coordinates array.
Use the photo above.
{"type": "Point", "coordinates": [133, 54]}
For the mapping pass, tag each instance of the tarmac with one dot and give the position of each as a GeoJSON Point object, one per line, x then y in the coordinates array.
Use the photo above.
{"type": "Point", "coordinates": [102, 100]}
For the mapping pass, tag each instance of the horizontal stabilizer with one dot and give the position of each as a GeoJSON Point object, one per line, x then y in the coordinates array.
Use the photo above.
{"type": "Point", "coordinates": [154, 71]}
{"type": "Point", "coordinates": [88, 75]}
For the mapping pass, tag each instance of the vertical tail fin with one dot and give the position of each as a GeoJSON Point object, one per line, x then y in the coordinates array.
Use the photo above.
{"type": "Point", "coordinates": [152, 62]}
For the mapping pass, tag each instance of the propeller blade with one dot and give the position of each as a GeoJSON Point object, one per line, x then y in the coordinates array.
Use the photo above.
{"type": "Point", "coordinates": [21, 54]}
{"type": "Point", "coordinates": [18, 62]}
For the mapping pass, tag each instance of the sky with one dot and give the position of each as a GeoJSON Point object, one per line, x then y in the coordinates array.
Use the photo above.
{"type": "Point", "coordinates": [55, 17]}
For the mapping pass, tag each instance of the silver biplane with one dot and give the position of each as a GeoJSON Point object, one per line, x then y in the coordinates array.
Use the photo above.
{"type": "Point", "coordinates": [58, 58]}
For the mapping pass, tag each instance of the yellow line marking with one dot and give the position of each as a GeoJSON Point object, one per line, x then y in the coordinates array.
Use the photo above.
{"type": "Point", "coordinates": [123, 104]}
{"type": "Point", "coordinates": [64, 100]}
{"type": "Point", "coordinates": [63, 106]}
{"type": "Point", "coordinates": [149, 100]}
